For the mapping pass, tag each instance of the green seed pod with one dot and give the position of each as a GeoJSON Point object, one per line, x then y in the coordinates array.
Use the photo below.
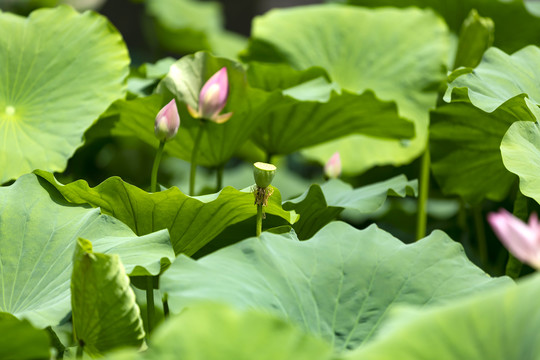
{"type": "Point", "coordinates": [263, 174]}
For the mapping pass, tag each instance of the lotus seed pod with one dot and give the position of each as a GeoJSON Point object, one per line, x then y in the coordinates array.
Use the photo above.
{"type": "Point", "coordinates": [263, 174]}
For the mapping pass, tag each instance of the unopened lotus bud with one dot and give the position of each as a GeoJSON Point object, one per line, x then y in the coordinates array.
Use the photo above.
{"type": "Point", "coordinates": [263, 174]}
{"type": "Point", "coordinates": [332, 169]}
{"type": "Point", "coordinates": [212, 98]}
{"type": "Point", "coordinates": [167, 122]}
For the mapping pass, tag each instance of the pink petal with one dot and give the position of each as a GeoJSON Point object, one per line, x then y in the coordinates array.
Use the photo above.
{"type": "Point", "coordinates": [519, 238]}
{"type": "Point", "coordinates": [167, 121]}
{"type": "Point", "coordinates": [214, 94]}
{"type": "Point", "coordinates": [332, 168]}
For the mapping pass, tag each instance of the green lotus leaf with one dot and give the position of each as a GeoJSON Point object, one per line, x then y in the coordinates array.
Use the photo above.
{"type": "Point", "coordinates": [104, 312]}
{"type": "Point", "coordinates": [21, 341]}
{"type": "Point", "coordinates": [192, 221]}
{"type": "Point", "coordinates": [131, 118]}
{"type": "Point", "coordinates": [218, 332]}
{"type": "Point", "coordinates": [281, 76]}
{"type": "Point", "coordinates": [338, 285]}
{"type": "Point", "coordinates": [219, 141]}
{"type": "Point", "coordinates": [143, 80]}
{"type": "Point", "coordinates": [465, 147]}
{"type": "Point", "coordinates": [520, 149]}
{"type": "Point", "coordinates": [186, 26]}
{"type": "Point", "coordinates": [321, 204]}
{"type": "Point", "coordinates": [301, 115]}
{"type": "Point", "coordinates": [60, 71]}
{"type": "Point", "coordinates": [39, 229]}
{"type": "Point", "coordinates": [498, 78]}
{"type": "Point", "coordinates": [315, 111]}
{"type": "Point", "coordinates": [354, 50]}
{"type": "Point", "coordinates": [501, 324]}
{"type": "Point", "coordinates": [510, 16]}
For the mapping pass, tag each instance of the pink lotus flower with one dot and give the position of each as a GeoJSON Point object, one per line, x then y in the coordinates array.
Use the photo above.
{"type": "Point", "coordinates": [332, 169]}
{"type": "Point", "coordinates": [167, 122]}
{"type": "Point", "coordinates": [521, 239]}
{"type": "Point", "coordinates": [212, 98]}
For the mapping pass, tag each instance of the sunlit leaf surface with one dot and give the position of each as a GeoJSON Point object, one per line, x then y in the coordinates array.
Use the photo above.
{"type": "Point", "coordinates": [339, 285]}
{"type": "Point", "coordinates": [59, 71]}
{"type": "Point", "coordinates": [38, 231]}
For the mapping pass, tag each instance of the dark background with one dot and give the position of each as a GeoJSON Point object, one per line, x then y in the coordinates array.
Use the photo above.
{"type": "Point", "coordinates": [127, 15]}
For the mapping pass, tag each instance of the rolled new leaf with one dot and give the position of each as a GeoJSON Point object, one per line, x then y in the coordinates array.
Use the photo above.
{"type": "Point", "coordinates": [105, 314]}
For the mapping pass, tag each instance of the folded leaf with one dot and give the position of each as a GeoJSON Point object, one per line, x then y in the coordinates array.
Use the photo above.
{"type": "Point", "coordinates": [192, 221]}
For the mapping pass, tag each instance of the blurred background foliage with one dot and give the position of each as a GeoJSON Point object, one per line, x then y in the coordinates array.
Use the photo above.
{"type": "Point", "coordinates": [159, 29]}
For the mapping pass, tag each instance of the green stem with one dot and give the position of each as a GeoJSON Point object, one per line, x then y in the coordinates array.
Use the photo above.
{"type": "Point", "coordinates": [421, 221]}
{"type": "Point", "coordinates": [259, 219]}
{"type": "Point", "coordinates": [194, 154]}
{"type": "Point", "coordinates": [480, 234]}
{"type": "Point", "coordinates": [521, 211]}
{"type": "Point", "coordinates": [56, 343]}
{"type": "Point", "coordinates": [165, 307]}
{"type": "Point", "coordinates": [269, 158]}
{"type": "Point", "coordinates": [155, 167]}
{"type": "Point", "coordinates": [80, 350]}
{"type": "Point", "coordinates": [150, 302]}
{"type": "Point", "coordinates": [219, 183]}
{"type": "Point", "coordinates": [513, 267]}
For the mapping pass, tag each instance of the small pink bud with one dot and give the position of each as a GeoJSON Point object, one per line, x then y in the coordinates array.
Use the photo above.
{"type": "Point", "coordinates": [521, 239]}
{"type": "Point", "coordinates": [167, 122]}
{"type": "Point", "coordinates": [332, 169]}
{"type": "Point", "coordinates": [212, 98]}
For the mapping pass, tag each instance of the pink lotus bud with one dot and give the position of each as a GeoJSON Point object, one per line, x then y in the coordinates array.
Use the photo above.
{"type": "Point", "coordinates": [332, 169]}
{"type": "Point", "coordinates": [167, 122]}
{"type": "Point", "coordinates": [212, 98]}
{"type": "Point", "coordinates": [521, 239]}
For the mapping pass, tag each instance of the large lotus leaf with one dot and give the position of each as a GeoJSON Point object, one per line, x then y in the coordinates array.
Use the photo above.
{"type": "Point", "coordinates": [219, 141]}
{"type": "Point", "coordinates": [21, 341]}
{"type": "Point", "coordinates": [133, 117]}
{"type": "Point", "coordinates": [218, 332]}
{"type": "Point", "coordinates": [60, 71]}
{"type": "Point", "coordinates": [280, 76]}
{"type": "Point", "coordinates": [192, 221]}
{"type": "Point", "coordinates": [321, 204]}
{"type": "Point", "coordinates": [317, 111]}
{"type": "Point", "coordinates": [143, 80]}
{"type": "Point", "coordinates": [499, 325]}
{"type": "Point", "coordinates": [465, 147]}
{"type": "Point", "coordinates": [363, 49]}
{"type": "Point", "coordinates": [104, 312]}
{"type": "Point", "coordinates": [186, 26]}
{"type": "Point", "coordinates": [510, 16]}
{"type": "Point", "coordinates": [338, 285]}
{"type": "Point", "coordinates": [520, 149]}
{"type": "Point", "coordinates": [38, 230]}
{"type": "Point", "coordinates": [498, 78]}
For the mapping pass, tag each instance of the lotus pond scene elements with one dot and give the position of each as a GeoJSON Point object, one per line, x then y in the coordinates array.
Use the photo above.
{"type": "Point", "coordinates": [284, 180]}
